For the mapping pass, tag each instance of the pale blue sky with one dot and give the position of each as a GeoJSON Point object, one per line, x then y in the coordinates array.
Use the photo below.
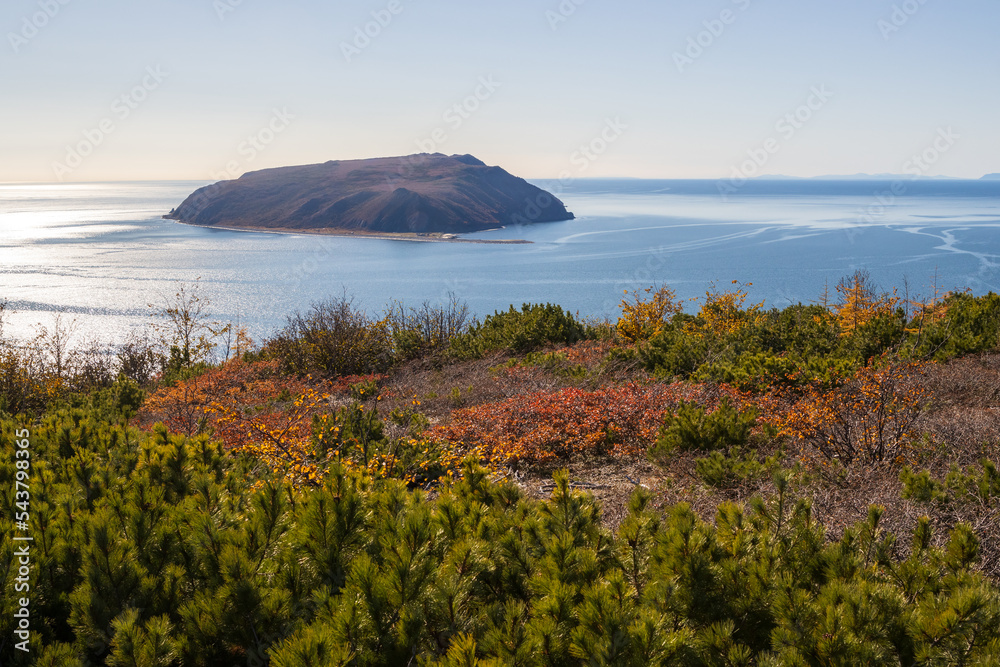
{"type": "Point", "coordinates": [558, 87]}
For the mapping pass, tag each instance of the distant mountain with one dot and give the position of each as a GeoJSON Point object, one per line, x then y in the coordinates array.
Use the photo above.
{"type": "Point", "coordinates": [427, 193]}
{"type": "Point", "coordinates": [859, 177]}
{"type": "Point", "coordinates": [991, 177]}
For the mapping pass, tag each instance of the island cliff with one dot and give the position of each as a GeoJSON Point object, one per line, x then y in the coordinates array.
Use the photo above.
{"type": "Point", "coordinates": [427, 193]}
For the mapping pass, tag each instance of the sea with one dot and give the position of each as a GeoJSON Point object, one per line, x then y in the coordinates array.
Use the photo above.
{"type": "Point", "coordinates": [100, 259]}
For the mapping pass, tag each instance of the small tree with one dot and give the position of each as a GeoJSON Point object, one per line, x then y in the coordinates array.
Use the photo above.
{"type": "Point", "coordinates": [860, 302]}
{"type": "Point", "coordinates": [137, 359]}
{"type": "Point", "coordinates": [335, 338]}
{"type": "Point", "coordinates": [54, 346]}
{"type": "Point", "coordinates": [429, 327]}
{"type": "Point", "coordinates": [186, 332]}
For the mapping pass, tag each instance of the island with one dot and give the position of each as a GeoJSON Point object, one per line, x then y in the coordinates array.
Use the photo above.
{"type": "Point", "coordinates": [420, 197]}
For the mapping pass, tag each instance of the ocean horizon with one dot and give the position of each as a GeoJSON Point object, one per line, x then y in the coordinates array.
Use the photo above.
{"type": "Point", "coordinates": [100, 254]}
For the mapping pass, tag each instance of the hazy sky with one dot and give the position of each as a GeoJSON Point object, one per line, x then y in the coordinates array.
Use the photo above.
{"type": "Point", "coordinates": [198, 89]}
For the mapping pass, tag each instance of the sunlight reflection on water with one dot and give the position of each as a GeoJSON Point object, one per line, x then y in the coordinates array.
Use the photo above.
{"type": "Point", "coordinates": [102, 254]}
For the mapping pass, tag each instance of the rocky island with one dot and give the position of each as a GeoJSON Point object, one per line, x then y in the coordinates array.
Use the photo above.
{"type": "Point", "coordinates": [427, 195]}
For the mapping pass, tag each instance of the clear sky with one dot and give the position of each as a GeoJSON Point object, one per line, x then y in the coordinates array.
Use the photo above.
{"type": "Point", "coordinates": [198, 89]}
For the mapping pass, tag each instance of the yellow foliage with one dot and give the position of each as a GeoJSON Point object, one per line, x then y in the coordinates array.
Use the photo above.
{"type": "Point", "coordinates": [860, 304]}
{"type": "Point", "coordinates": [723, 313]}
{"type": "Point", "coordinates": [646, 313]}
{"type": "Point", "coordinates": [928, 313]}
{"type": "Point", "coordinates": [870, 419]}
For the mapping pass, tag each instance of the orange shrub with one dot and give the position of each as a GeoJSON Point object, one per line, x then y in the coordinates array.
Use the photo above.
{"type": "Point", "coordinates": [869, 419]}
{"type": "Point", "coordinates": [544, 426]}
{"type": "Point", "coordinates": [253, 408]}
{"type": "Point", "coordinates": [186, 407]}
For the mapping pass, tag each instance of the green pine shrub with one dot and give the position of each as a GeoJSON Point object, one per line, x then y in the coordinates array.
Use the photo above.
{"type": "Point", "coordinates": [532, 327]}
{"type": "Point", "coordinates": [960, 487]}
{"type": "Point", "coordinates": [692, 428]}
{"type": "Point", "coordinates": [732, 469]}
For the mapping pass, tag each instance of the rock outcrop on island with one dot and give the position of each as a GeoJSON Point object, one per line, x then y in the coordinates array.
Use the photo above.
{"type": "Point", "coordinates": [427, 193]}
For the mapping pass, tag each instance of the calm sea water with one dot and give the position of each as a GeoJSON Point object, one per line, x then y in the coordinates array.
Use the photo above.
{"type": "Point", "coordinates": [100, 254]}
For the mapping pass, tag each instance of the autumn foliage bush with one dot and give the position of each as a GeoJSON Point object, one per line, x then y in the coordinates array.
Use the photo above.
{"type": "Point", "coordinates": [867, 420]}
{"type": "Point", "coordinates": [291, 424]}
{"type": "Point", "coordinates": [191, 406]}
{"type": "Point", "coordinates": [731, 342]}
{"type": "Point", "coordinates": [646, 313]}
{"type": "Point", "coordinates": [544, 426]}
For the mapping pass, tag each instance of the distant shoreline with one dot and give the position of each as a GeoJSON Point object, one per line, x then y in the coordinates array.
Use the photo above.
{"type": "Point", "coordinates": [436, 237]}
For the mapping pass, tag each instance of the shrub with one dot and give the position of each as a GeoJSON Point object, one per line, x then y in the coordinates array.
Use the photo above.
{"type": "Point", "coordinates": [225, 400]}
{"type": "Point", "coordinates": [673, 353]}
{"type": "Point", "coordinates": [418, 331]}
{"type": "Point", "coordinates": [861, 303]}
{"type": "Point", "coordinates": [960, 324]}
{"type": "Point", "coordinates": [723, 312]}
{"type": "Point", "coordinates": [355, 437]}
{"type": "Point", "coordinates": [727, 471]}
{"type": "Point", "coordinates": [981, 487]}
{"type": "Point", "coordinates": [545, 426]}
{"type": "Point", "coordinates": [692, 428]}
{"type": "Point", "coordinates": [334, 338]}
{"type": "Point", "coordinates": [24, 386]}
{"type": "Point", "coordinates": [137, 360]}
{"type": "Point", "coordinates": [531, 328]}
{"type": "Point", "coordinates": [870, 419]}
{"type": "Point", "coordinates": [647, 313]}
{"type": "Point", "coordinates": [808, 344]}
{"type": "Point", "coordinates": [364, 390]}
{"type": "Point", "coordinates": [185, 329]}
{"type": "Point", "coordinates": [760, 371]}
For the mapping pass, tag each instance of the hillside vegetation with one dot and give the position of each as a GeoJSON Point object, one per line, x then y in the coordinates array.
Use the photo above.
{"type": "Point", "coordinates": [720, 484]}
